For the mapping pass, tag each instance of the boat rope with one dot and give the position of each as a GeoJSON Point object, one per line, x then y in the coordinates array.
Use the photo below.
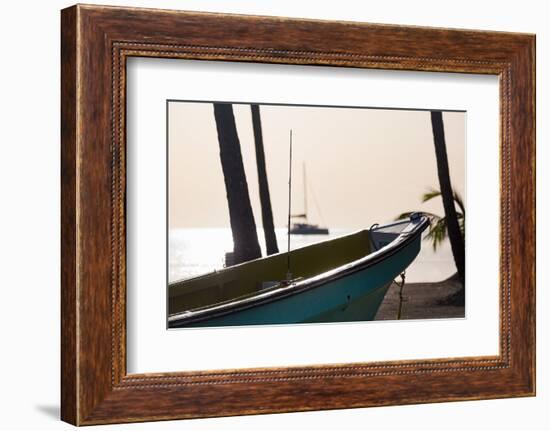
{"type": "Point", "coordinates": [401, 286]}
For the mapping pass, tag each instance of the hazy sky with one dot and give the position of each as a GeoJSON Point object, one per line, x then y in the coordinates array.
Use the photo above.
{"type": "Point", "coordinates": [364, 166]}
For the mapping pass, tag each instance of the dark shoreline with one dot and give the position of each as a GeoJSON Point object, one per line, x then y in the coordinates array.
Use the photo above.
{"type": "Point", "coordinates": [421, 301]}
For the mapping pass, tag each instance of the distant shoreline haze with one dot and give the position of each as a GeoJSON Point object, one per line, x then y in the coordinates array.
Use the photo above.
{"type": "Point", "coordinates": [364, 166]}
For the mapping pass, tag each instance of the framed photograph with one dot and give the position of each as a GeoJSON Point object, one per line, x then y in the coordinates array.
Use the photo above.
{"type": "Point", "coordinates": [265, 214]}
{"type": "Point", "coordinates": [224, 270]}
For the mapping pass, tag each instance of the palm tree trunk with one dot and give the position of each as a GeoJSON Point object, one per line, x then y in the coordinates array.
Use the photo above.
{"type": "Point", "coordinates": [265, 200]}
{"type": "Point", "coordinates": [243, 226]}
{"type": "Point", "coordinates": [455, 236]}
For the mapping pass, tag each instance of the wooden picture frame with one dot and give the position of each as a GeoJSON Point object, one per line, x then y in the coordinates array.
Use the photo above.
{"type": "Point", "coordinates": [95, 43]}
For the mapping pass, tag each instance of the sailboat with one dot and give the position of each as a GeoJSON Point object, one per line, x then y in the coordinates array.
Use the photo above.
{"type": "Point", "coordinates": [303, 227]}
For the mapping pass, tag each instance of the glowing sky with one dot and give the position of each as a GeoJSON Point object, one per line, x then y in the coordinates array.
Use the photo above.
{"type": "Point", "coordinates": [363, 165]}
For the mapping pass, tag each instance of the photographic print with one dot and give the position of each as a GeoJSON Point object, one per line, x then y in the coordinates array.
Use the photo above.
{"type": "Point", "coordinates": [289, 214]}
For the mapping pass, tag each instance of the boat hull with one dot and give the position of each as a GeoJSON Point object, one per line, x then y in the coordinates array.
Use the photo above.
{"type": "Point", "coordinates": [353, 297]}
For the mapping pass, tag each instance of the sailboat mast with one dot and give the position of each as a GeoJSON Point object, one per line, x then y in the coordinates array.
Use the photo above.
{"type": "Point", "coordinates": [305, 192]}
{"type": "Point", "coordinates": [288, 273]}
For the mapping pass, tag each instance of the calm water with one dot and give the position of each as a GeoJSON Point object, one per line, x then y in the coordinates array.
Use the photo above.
{"type": "Point", "coordinates": [194, 252]}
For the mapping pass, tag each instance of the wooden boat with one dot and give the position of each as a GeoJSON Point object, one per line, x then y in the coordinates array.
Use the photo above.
{"type": "Point", "coordinates": [342, 279]}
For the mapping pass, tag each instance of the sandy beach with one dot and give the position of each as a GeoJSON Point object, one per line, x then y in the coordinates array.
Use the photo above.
{"type": "Point", "coordinates": [421, 301]}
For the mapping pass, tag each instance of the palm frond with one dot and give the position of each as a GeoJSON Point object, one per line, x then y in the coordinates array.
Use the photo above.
{"type": "Point", "coordinates": [433, 193]}
{"type": "Point", "coordinates": [459, 202]}
{"type": "Point", "coordinates": [437, 232]}
{"type": "Point", "coordinates": [430, 194]}
{"type": "Point", "coordinates": [404, 215]}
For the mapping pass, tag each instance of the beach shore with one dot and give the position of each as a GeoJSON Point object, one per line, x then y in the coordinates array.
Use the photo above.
{"type": "Point", "coordinates": [421, 301]}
